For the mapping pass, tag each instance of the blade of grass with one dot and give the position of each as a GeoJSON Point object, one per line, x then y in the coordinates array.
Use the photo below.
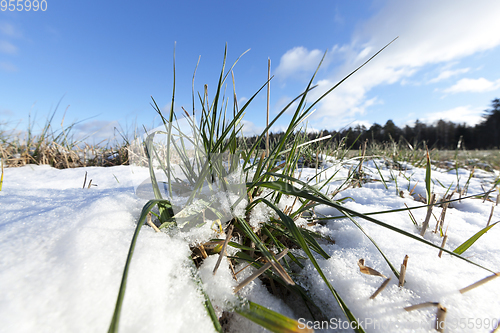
{"type": "Point", "coordinates": [273, 321]}
{"type": "Point", "coordinates": [165, 213]}
{"type": "Point", "coordinates": [281, 247]}
{"type": "Point", "coordinates": [468, 243]}
{"type": "Point", "coordinates": [245, 227]}
{"type": "Point", "coordinates": [113, 327]}
{"type": "Point", "coordinates": [308, 238]}
{"type": "Point", "coordinates": [411, 208]}
{"type": "Point", "coordinates": [380, 174]}
{"type": "Point", "coordinates": [428, 179]}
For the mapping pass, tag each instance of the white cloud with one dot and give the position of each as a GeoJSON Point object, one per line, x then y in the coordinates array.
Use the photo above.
{"type": "Point", "coordinates": [473, 85]}
{"type": "Point", "coordinates": [364, 53]}
{"type": "Point", "coordinates": [448, 73]}
{"type": "Point", "coordinates": [298, 61]}
{"type": "Point", "coordinates": [430, 33]}
{"type": "Point", "coordinates": [8, 48]}
{"type": "Point", "coordinates": [462, 114]}
{"type": "Point", "coordinates": [364, 123]}
{"type": "Point", "coordinates": [250, 129]}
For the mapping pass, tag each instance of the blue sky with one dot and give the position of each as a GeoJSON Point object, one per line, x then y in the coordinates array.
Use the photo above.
{"type": "Point", "coordinates": [106, 58]}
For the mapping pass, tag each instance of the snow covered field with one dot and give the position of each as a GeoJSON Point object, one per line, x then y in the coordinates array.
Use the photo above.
{"type": "Point", "coordinates": [63, 249]}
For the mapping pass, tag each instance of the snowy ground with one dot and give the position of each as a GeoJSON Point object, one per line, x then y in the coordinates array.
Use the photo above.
{"type": "Point", "coordinates": [63, 249]}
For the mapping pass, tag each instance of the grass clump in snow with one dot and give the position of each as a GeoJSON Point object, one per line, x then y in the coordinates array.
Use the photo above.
{"type": "Point", "coordinates": [239, 206]}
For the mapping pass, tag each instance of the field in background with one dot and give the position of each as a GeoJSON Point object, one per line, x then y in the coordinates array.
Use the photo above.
{"type": "Point", "coordinates": [59, 150]}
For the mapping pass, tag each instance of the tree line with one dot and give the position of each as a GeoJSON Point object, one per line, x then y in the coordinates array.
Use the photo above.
{"type": "Point", "coordinates": [441, 135]}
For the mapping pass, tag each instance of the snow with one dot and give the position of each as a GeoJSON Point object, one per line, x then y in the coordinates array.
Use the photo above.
{"type": "Point", "coordinates": [64, 248]}
{"type": "Point", "coordinates": [63, 252]}
{"type": "Point", "coordinates": [429, 278]}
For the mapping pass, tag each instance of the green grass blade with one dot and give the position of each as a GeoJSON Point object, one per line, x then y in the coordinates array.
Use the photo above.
{"type": "Point", "coordinates": [415, 207]}
{"type": "Point", "coordinates": [380, 174]}
{"type": "Point", "coordinates": [311, 241]}
{"type": "Point", "coordinates": [308, 238]}
{"type": "Point", "coordinates": [255, 146]}
{"type": "Point", "coordinates": [169, 129]}
{"type": "Point", "coordinates": [247, 229]}
{"type": "Point", "coordinates": [165, 213]}
{"type": "Point", "coordinates": [468, 243]}
{"type": "Point", "coordinates": [211, 312]}
{"type": "Point", "coordinates": [428, 179]}
{"type": "Point", "coordinates": [276, 242]}
{"type": "Point", "coordinates": [207, 303]}
{"type": "Point", "coordinates": [273, 321]}
{"type": "Point", "coordinates": [350, 74]}
{"type": "Point", "coordinates": [113, 327]}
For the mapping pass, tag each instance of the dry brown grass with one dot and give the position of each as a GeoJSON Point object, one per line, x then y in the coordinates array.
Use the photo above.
{"type": "Point", "coordinates": [55, 149]}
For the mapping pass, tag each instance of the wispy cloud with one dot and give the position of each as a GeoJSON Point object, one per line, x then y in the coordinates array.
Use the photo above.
{"type": "Point", "coordinates": [9, 30]}
{"type": "Point", "coordinates": [7, 47]}
{"type": "Point", "coordinates": [473, 85]}
{"type": "Point", "coordinates": [429, 35]}
{"type": "Point", "coordinates": [446, 74]}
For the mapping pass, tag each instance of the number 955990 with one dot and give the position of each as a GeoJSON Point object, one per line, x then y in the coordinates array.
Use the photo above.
{"type": "Point", "coordinates": [23, 5]}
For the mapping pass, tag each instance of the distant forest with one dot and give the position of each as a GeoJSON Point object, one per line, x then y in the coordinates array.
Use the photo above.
{"type": "Point", "coordinates": [441, 135]}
